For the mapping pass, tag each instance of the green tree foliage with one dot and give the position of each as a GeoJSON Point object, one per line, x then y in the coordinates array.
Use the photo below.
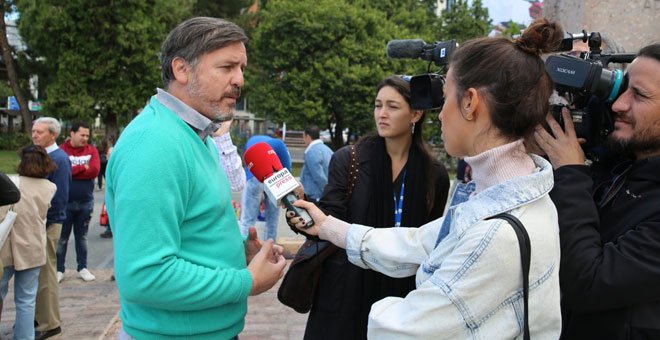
{"type": "Point", "coordinates": [98, 57]}
{"type": "Point", "coordinates": [465, 21]}
{"type": "Point", "coordinates": [318, 62]}
{"type": "Point", "coordinates": [226, 9]}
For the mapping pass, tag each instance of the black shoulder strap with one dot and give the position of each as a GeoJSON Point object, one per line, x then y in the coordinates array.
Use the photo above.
{"type": "Point", "coordinates": [525, 256]}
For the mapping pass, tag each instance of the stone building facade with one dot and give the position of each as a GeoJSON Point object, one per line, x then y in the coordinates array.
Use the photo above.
{"type": "Point", "coordinates": [632, 23]}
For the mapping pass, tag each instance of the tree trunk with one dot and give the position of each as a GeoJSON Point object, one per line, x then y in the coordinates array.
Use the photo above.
{"type": "Point", "coordinates": [13, 75]}
{"type": "Point", "coordinates": [111, 129]}
{"type": "Point", "coordinates": [338, 136]}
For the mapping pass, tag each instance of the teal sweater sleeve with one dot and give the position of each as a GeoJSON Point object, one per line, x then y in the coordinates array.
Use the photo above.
{"type": "Point", "coordinates": [177, 244]}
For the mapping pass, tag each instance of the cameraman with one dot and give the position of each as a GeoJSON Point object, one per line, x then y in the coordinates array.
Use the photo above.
{"type": "Point", "coordinates": [609, 216]}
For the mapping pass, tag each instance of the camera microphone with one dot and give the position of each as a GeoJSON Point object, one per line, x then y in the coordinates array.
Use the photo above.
{"type": "Point", "coordinates": [437, 52]}
{"type": "Point", "coordinates": [405, 48]}
{"type": "Point", "coordinates": [263, 163]}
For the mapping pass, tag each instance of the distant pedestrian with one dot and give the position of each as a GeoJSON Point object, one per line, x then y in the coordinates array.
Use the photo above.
{"type": "Point", "coordinates": [105, 149]}
{"type": "Point", "coordinates": [85, 164]}
{"type": "Point", "coordinates": [24, 251]}
{"type": "Point", "coordinates": [314, 175]}
{"type": "Point", "coordinates": [231, 161]}
{"type": "Point", "coordinates": [47, 309]}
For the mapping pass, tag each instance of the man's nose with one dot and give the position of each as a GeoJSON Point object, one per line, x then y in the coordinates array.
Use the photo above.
{"type": "Point", "coordinates": [622, 104]}
{"type": "Point", "coordinates": [238, 78]}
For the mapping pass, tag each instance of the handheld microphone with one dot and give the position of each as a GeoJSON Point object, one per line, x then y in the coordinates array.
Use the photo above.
{"type": "Point", "coordinates": [405, 48]}
{"type": "Point", "coordinates": [263, 163]}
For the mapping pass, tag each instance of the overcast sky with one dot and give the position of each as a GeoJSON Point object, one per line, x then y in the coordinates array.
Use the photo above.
{"type": "Point", "coordinates": [505, 10]}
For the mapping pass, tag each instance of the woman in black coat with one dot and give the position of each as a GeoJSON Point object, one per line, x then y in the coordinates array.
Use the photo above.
{"type": "Point", "coordinates": [395, 172]}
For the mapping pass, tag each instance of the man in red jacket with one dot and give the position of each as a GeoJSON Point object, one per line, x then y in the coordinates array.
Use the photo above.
{"type": "Point", "coordinates": [85, 165]}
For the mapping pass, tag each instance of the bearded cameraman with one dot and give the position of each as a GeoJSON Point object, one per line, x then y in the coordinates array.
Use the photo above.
{"type": "Point", "coordinates": [609, 216]}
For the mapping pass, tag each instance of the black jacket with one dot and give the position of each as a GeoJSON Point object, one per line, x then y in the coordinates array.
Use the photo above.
{"type": "Point", "coordinates": [610, 260]}
{"type": "Point", "coordinates": [346, 292]}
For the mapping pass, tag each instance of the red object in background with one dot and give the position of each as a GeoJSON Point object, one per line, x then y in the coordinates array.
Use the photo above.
{"type": "Point", "coordinates": [104, 221]}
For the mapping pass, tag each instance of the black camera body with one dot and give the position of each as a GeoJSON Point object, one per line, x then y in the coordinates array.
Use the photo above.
{"type": "Point", "coordinates": [425, 89]}
{"type": "Point", "coordinates": [588, 85]}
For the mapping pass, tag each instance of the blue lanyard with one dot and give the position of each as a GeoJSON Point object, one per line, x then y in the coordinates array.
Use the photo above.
{"type": "Point", "coordinates": [398, 205]}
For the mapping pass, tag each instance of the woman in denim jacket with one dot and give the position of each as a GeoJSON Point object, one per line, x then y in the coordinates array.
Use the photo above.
{"type": "Point", "coordinates": [468, 269]}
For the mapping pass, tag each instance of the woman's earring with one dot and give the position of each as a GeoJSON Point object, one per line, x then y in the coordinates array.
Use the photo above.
{"type": "Point", "coordinates": [413, 128]}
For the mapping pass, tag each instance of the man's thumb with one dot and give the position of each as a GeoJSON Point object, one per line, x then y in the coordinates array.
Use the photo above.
{"type": "Point", "coordinates": [266, 248]}
{"type": "Point", "coordinates": [252, 233]}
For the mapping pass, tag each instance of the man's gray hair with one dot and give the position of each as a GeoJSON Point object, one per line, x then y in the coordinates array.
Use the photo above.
{"type": "Point", "coordinates": [194, 38]}
{"type": "Point", "coordinates": [53, 124]}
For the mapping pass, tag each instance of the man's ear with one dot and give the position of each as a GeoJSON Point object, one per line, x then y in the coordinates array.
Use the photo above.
{"type": "Point", "coordinates": [181, 70]}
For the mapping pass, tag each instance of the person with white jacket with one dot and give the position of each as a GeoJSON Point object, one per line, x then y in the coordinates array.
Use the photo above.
{"type": "Point", "coordinates": [468, 266]}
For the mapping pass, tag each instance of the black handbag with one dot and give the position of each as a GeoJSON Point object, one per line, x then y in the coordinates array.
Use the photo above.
{"type": "Point", "coordinates": [301, 280]}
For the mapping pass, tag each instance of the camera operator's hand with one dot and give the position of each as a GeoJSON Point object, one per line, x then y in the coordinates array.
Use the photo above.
{"type": "Point", "coordinates": [314, 212]}
{"type": "Point", "coordinates": [564, 148]}
{"type": "Point", "coordinates": [266, 268]}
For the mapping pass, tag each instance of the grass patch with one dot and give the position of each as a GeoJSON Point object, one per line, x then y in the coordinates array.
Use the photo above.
{"type": "Point", "coordinates": [296, 168]}
{"type": "Point", "coordinates": [8, 161]}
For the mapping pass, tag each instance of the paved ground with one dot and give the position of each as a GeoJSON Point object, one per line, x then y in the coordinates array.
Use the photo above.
{"type": "Point", "coordinates": [89, 310]}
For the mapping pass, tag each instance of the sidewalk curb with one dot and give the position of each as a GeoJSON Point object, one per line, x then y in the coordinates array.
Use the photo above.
{"type": "Point", "coordinates": [109, 326]}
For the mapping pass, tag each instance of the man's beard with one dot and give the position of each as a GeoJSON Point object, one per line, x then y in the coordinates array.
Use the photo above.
{"type": "Point", "coordinates": [642, 142]}
{"type": "Point", "coordinates": [217, 114]}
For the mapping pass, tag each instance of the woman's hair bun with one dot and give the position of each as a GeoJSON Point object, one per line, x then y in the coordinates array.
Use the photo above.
{"type": "Point", "coordinates": [542, 36]}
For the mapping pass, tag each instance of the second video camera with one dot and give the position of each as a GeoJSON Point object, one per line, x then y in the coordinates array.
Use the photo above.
{"type": "Point", "coordinates": [589, 86]}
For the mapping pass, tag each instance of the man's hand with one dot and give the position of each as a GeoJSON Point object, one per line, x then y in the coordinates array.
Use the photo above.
{"type": "Point", "coordinates": [223, 128]}
{"type": "Point", "coordinates": [314, 212]}
{"type": "Point", "coordinates": [252, 244]}
{"type": "Point", "coordinates": [266, 268]}
{"type": "Point", "coordinates": [564, 148]}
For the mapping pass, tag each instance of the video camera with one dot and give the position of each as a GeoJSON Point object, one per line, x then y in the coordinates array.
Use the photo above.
{"type": "Point", "coordinates": [425, 89]}
{"type": "Point", "coordinates": [588, 85]}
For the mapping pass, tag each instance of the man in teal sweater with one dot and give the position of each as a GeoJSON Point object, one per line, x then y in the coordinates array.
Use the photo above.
{"type": "Point", "coordinates": [180, 261]}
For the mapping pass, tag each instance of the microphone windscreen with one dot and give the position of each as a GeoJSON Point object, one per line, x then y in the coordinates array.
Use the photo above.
{"type": "Point", "coordinates": [262, 161]}
{"type": "Point", "coordinates": [405, 48]}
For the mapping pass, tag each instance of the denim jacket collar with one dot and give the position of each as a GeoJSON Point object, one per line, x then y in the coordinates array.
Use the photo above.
{"type": "Point", "coordinates": [505, 196]}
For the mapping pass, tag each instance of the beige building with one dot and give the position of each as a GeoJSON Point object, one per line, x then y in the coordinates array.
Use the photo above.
{"type": "Point", "coordinates": [632, 23]}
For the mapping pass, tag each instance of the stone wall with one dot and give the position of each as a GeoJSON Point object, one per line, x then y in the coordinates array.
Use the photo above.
{"type": "Point", "coordinates": [632, 23]}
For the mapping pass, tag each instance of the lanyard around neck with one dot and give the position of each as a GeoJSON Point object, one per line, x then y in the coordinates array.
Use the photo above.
{"type": "Point", "coordinates": [398, 205]}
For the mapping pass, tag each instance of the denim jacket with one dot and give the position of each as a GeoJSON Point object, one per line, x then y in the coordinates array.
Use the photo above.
{"type": "Point", "coordinates": [469, 285]}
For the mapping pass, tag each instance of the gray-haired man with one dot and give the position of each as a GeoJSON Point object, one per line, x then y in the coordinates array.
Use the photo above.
{"type": "Point", "coordinates": [47, 309]}
{"type": "Point", "coordinates": [180, 261]}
